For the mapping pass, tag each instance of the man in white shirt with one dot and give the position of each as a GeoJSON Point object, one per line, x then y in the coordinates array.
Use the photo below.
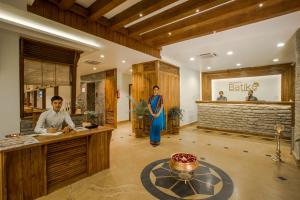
{"type": "Point", "coordinates": [54, 118]}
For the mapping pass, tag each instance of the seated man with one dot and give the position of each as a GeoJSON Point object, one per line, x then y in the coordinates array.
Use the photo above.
{"type": "Point", "coordinates": [54, 118]}
{"type": "Point", "coordinates": [221, 97]}
{"type": "Point", "coordinates": [250, 96]}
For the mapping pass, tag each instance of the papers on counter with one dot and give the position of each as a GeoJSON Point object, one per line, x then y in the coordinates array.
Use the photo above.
{"type": "Point", "coordinates": [9, 143]}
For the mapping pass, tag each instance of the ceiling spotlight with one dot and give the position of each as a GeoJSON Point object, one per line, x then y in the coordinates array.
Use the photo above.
{"type": "Point", "coordinates": [275, 60]}
{"type": "Point", "coordinates": [208, 67]}
{"type": "Point", "coordinates": [141, 14]}
{"type": "Point", "coordinates": [229, 53]}
{"type": "Point", "coordinates": [169, 33]}
{"type": "Point", "coordinates": [130, 70]}
{"type": "Point", "coordinates": [260, 5]}
{"type": "Point", "coordinates": [192, 58]}
{"type": "Point", "coordinates": [238, 64]}
{"type": "Point", "coordinates": [197, 10]}
{"type": "Point", "coordinates": [94, 68]}
{"type": "Point", "coordinates": [123, 61]}
{"type": "Point", "coordinates": [281, 44]}
{"type": "Point", "coordinates": [102, 56]}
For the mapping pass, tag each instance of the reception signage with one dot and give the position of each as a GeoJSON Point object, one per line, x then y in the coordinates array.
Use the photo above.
{"type": "Point", "coordinates": [266, 88]}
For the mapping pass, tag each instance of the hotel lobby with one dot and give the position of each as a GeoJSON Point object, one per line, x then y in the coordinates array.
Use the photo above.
{"type": "Point", "coordinates": [146, 99]}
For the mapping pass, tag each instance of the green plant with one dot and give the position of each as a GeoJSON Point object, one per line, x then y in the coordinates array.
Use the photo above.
{"type": "Point", "coordinates": [141, 108]}
{"type": "Point", "coordinates": [175, 113]}
{"type": "Point", "coordinates": [91, 115]}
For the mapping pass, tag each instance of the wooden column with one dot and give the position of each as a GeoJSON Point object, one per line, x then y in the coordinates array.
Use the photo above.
{"type": "Point", "coordinates": [43, 98]}
{"type": "Point", "coordinates": [35, 99]}
{"type": "Point", "coordinates": [56, 91]}
{"type": "Point", "coordinates": [74, 80]}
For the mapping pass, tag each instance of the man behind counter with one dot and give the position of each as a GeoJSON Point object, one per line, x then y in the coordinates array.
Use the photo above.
{"type": "Point", "coordinates": [54, 117]}
{"type": "Point", "coordinates": [221, 97]}
{"type": "Point", "coordinates": [250, 96]}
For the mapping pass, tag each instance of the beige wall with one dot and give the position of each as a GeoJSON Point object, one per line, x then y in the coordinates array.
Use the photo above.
{"type": "Point", "coordinates": [9, 82]}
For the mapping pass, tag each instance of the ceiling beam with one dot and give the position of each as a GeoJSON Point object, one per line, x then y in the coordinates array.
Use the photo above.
{"type": "Point", "coordinates": [50, 11]}
{"type": "Point", "coordinates": [66, 4]}
{"type": "Point", "coordinates": [271, 8]}
{"type": "Point", "coordinates": [101, 7]}
{"type": "Point", "coordinates": [171, 15]}
{"type": "Point", "coordinates": [206, 17]}
{"type": "Point", "coordinates": [143, 7]}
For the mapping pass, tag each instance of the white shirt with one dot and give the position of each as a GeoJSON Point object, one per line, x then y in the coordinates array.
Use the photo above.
{"type": "Point", "coordinates": [52, 119]}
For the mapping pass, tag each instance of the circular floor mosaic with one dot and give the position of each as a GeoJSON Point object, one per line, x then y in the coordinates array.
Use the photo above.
{"type": "Point", "coordinates": [209, 182]}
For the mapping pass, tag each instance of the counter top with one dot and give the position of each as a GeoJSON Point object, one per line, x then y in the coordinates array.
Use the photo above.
{"type": "Point", "coordinates": [250, 102]}
{"type": "Point", "coordinates": [42, 140]}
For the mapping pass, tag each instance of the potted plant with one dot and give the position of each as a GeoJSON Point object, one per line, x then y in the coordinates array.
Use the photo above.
{"type": "Point", "coordinates": [175, 114]}
{"type": "Point", "coordinates": [140, 109]}
{"type": "Point", "coordinates": [89, 119]}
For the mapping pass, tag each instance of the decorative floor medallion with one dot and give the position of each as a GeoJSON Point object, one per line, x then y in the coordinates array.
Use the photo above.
{"type": "Point", "coordinates": [208, 183]}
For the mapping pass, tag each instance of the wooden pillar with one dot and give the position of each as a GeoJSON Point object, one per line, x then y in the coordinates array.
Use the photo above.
{"type": "Point", "coordinates": [73, 84]}
{"type": "Point", "coordinates": [43, 98]}
{"type": "Point", "coordinates": [21, 75]}
{"type": "Point", "coordinates": [56, 91]}
{"type": "Point", "coordinates": [35, 99]}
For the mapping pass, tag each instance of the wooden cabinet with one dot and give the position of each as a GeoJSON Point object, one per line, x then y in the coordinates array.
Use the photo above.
{"type": "Point", "coordinates": [33, 171]}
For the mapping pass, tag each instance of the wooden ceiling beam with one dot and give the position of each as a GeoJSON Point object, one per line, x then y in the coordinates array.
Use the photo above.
{"type": "Point", "coordinates": [173, 14]}
{"type": "Point", "coordinates": [202, 18]}
{"type": "Point", "coordinates": [271, 8]}
{"type": "Point", "coordinates": [50, 11]}
{"type": "Point", "coordinates": [66, 4]}
{"type": "Point", "coordinates": [101, 7]}
{"type": "Point", "coordinates": [143, 7]}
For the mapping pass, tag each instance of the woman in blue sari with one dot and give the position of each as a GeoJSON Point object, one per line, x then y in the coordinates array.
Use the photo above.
{"type": "Point", "coordinates": [156, 108]}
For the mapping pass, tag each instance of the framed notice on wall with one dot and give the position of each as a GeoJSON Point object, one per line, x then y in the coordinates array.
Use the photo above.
{"type": "Point", "coordinates": [266, 88]}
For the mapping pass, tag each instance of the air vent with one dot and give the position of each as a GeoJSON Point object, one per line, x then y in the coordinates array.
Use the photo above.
{"type": "Point", "coordinates": [207, 55]}
{"type": "Point", "coordinates": [92, 62]}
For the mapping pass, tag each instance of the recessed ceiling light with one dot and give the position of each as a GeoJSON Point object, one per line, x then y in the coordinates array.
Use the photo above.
{"type": "Point", "coordinates": [123, 61]}
{"type": "Point", "coordinates": [275, 60]}
{"type": "Point", "coordinates": [208, 67]}
{"type": "Point", "coordinates": [94, 68]}
{"type": "Point", "coordinates": [141, 14]}
{"type": "Point", "coordinates": [197, 10]}
{"type": "Point", "coordinates": [130, 70]}
{"type": "Point", "coordinates": [169, 33]}
{"type": "Point", "coordinates": [102, 56]}
{"type": "Point", "coordinates": [192, 58]}
{"type": "Point", "coordinates": [238, 64]}
{"type": "Point", "coordinates": [260, 5]}
{"type": "Point", "coordinates": [229, 53]}
{"type": "Point", "coordinates": [281, 44]}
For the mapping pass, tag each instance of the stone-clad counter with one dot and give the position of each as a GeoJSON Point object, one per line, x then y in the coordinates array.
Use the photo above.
{"type": "Point", "coordinates": [246, 117]}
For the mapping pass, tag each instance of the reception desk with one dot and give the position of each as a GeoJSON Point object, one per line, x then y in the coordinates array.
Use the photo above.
{"type": "Point", "coordinates": [34, 170]}
{"type": "Point", "coordinates": [246, 117]}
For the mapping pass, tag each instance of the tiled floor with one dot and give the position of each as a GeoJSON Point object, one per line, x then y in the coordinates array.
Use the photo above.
{"type": "Point", "coordinates": [245, 159]}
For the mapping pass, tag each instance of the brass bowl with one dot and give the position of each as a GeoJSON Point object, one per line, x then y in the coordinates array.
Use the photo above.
{"type": "Point", "coordinates": [183, 165]}
{"type": "Point", "coordinates": [51, 130]}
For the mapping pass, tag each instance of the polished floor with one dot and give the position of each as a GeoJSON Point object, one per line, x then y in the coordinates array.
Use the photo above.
{"type": "Point", "coordinates": [246, 160]}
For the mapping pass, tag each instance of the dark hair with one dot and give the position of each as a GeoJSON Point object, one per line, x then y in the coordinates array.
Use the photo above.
{"type": "Point", "coordinates": [155, 86]}
{"type": "Point", "coordinates": [56, 98]}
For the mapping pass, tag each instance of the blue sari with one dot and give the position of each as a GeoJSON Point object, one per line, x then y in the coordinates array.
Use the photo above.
{"type": "Point", "coordinates": [157, 124]}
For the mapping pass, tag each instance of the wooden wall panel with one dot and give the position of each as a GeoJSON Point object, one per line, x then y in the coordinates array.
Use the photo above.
{"type": "Point", "coordinates": [146, 75]}
{"type": "Point", "coordinates": [111, 98]}
{"type": "Point", "coordinates": [286, 70]}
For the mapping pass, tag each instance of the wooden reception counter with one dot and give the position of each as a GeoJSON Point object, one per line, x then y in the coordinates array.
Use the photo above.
{"type": "Point", "coordinates": [246, 117]}
{"type": "Point", "coordinates": [34, 170]}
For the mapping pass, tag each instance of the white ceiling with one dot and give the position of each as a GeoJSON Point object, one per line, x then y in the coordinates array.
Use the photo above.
{"type": "Point", "coordinates": [253, 45]}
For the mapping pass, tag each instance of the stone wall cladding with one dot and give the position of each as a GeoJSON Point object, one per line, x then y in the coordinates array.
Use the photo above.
{"type": "Point", "coordinates": [297, 97]}
{"type": "Point", "coordinates": [247, 118]}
